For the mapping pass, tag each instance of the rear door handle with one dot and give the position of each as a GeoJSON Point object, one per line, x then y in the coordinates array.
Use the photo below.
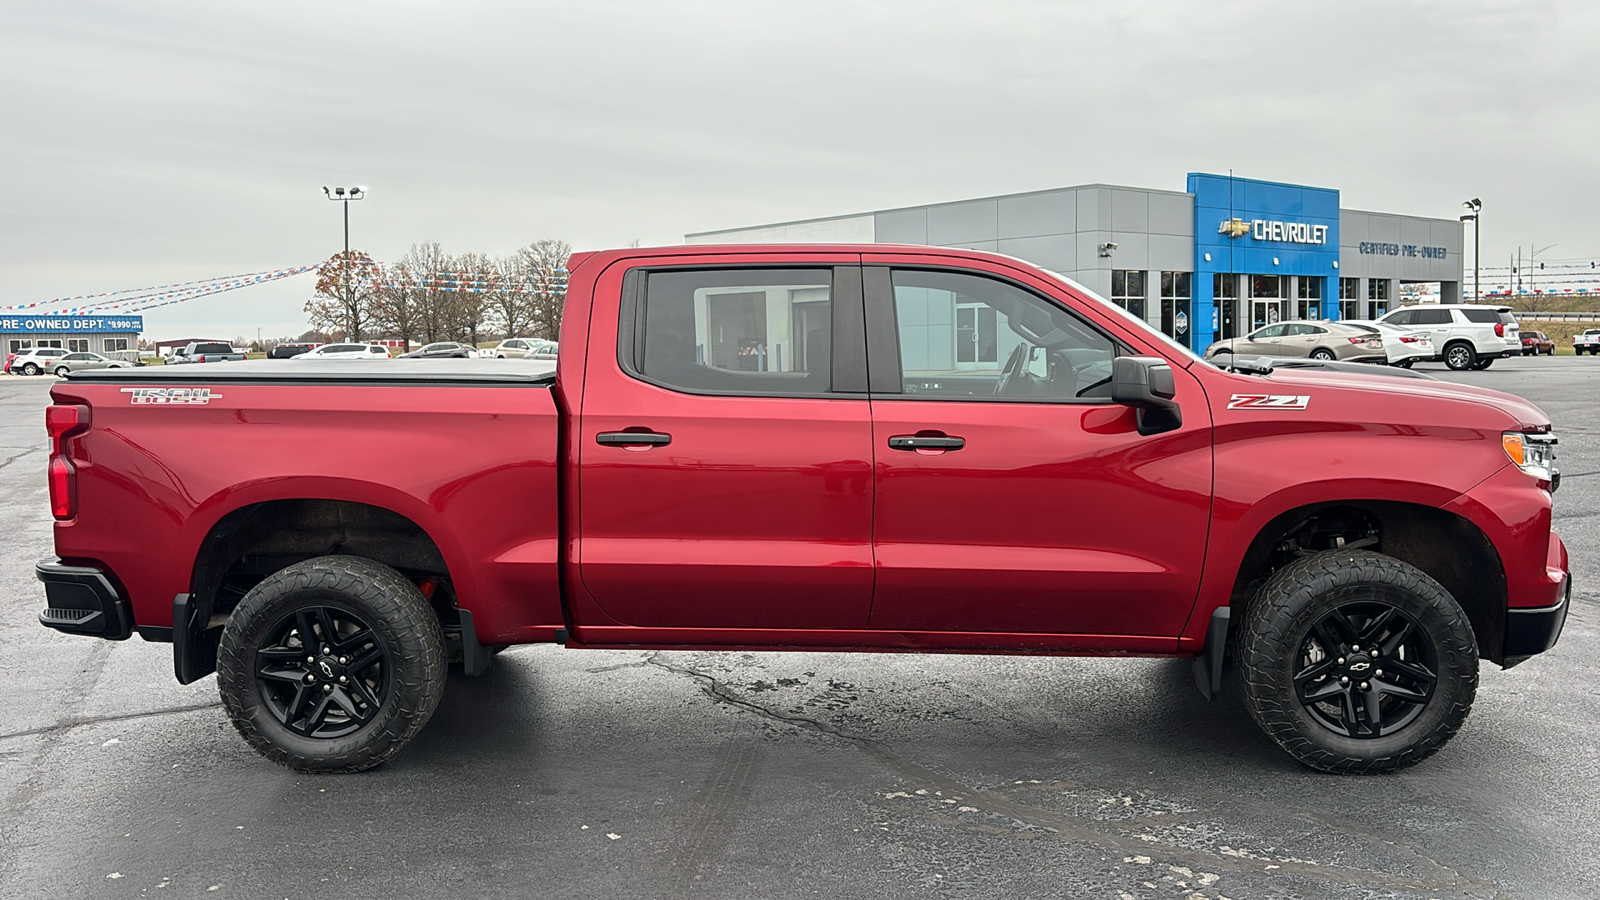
{"type": "Point", "coordinates": [922, 442]}
{"type": "Point", "coordinates": [632, 439]}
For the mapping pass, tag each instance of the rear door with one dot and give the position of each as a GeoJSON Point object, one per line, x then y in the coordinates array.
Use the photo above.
{"type": "Point", "coordinates": [1018, 498]}
{"type": "Point", "coordinates": [726, 448]}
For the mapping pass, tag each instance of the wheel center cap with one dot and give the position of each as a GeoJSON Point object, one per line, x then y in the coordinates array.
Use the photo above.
{"type": "Point", "coordinates": [327, 668]}
{"type": "Point", "coordinates": [1359, 664]}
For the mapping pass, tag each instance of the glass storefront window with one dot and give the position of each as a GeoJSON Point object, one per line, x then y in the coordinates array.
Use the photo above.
{"type": "Point", "coordinates": [1378, 296]}
{"type": "Point", "coordinates": [78, 345]}
{"type": "Point", "coordinates": [1349, 298]}
{"type": "Point", "coordinates": [1176, 306]}
{"type": "Point", "coordinates": [1127, 290]}
{"type": "Point", "coordinates": [1267, 296]}
{"type": "Point", "coordinates": [1308, 298]}
{"type": "Point", "coordinates": [1225, 293]}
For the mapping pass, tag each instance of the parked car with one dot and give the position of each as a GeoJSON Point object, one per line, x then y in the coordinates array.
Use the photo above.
{"type": "Point", "coordinates": [1313, 340]}
{"type": "Point", "coordinates": [289, 351]}
{"type": "Point", "coordinates": [1400, 346]}
{"type": "Point", "coordinates": [441, 350]}
{"type": "Point", "coordinates": [518, 348]}
{"type": "Point", "coordinates": [204, 352]}
{"type": "Point", "coordinates": [1357, 542]}
{"type": "Point", "coordinates": [1535, 343]}
{"type": "Point", "coordinates": [548, 351]}
{"type": "Point", "coordinates": [1465, 336]}
{"type": "Point", "coordinates": [78, 362]}
{"type": "Point", "coordinates": [33, 360]}
{"type": "Point", "coordinates": [345, 351]}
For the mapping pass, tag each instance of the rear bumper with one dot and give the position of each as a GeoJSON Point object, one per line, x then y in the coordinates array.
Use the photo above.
{"type": "Point", "coordinates": [82, 600]}
{"type": "Point", "coordinates": [1530, 632]}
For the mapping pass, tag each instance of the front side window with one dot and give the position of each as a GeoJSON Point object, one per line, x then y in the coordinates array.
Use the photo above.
{"type": "Point", "coordinates": [751, 331]}
{"type": "Point", "coordinates": [967, 337]}
{"type": "Point", "coordinates": [1127, 290]}
{"type": "Point", "coordinates": [1271, 331]}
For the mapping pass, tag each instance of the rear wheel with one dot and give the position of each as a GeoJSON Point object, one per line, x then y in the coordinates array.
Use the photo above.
{"type": "Point", "coordinates": [61, 371]}
{"type": "Point", "coordinates": [30, 369]}
{"type": "Point", "coordinates": [1321, 353]}
{"type": "Point", "coordinates": [1405, 363]}
{"type": "Point", "coordinates": [1460, 356]}
{"type": "Point", "coordinates": [331, 665]}
{"type": "Point", "coordinates": [1357, 662]}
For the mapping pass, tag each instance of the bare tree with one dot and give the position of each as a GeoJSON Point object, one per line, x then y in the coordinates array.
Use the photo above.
{"type": "Point", "coordinates": [468, 279]}
{"type": "Point", "coordinates": [545, 265]}
{"type": "Point", "coordinates": [344, 294]}
{"type": "Point", "coordinates": [509, 303]}
{"type": "Point", "coordinates": [397, 307]}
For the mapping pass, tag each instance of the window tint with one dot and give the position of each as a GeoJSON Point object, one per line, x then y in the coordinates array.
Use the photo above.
{"type": "Point", "coordinates": [78, 357]}
{"type": "Point", "coordinates": [1271, 331]}
{"type": "Point", "coordinates": [1431, 316]}
{"type": "Point", "coordinates": [1402, 317]}
{"type": "Point", "coordinates": [213, 348]}
{"type": "Point", "coordinates": [966, 337]}
{"type": "Point", "coordinates": [1488, 316]}
{"type": "Point", "coordinates": [752, 331]}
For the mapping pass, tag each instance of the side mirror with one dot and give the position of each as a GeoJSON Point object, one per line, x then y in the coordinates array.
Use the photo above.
{"type": "Point", "coordinates": [1146, 384]}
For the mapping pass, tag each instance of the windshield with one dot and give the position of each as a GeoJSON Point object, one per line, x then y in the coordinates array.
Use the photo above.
{"type": "Point", "coordinates": [1149, 330]}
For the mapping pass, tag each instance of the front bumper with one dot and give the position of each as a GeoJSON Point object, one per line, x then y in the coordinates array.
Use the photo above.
{"type": "Point", "coordinates": [1530, 632]}
{"type": "Point", "coordinates": [82, 600]}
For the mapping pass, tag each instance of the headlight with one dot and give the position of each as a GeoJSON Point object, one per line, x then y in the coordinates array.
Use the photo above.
{"type": "Point", "coordinates": [1533, 453]}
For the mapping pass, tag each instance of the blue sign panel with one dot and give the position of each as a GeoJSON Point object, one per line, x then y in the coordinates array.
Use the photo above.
{"type": "Point", "coordinates": [1248, 227]}
{"type": "Point", "coordinates": [47, 324]}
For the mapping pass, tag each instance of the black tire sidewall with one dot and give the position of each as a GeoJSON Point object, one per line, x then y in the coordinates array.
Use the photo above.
{"type": "Point", "coordinates": [1283, 614]}
{"type": "Point", "coordinates": [401, 624]}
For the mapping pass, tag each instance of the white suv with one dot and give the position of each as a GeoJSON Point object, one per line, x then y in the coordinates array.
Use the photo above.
{"type": "Point", "coordinates": [1464, 336]}
{"type": "Point", "coordinates": [33, 360]}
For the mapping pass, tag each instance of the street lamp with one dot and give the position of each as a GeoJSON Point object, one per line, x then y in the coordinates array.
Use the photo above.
{"type": "Point", "coordinates": [345, 195]}
{"type": "Point", "coordinates": [1476, 206]}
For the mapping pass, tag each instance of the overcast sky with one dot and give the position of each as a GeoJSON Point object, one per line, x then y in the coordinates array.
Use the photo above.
{"type": "Point", "coordinates": [152, 142]}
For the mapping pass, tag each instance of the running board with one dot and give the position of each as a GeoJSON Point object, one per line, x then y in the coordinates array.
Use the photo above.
{"type": "Point", "coordinates": [1207, 664]}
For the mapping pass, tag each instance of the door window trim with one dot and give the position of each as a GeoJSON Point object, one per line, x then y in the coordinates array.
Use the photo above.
{"type": "Point", "coordinates": [885, 376]}
{"type": "Point", "coordinates": [847, 325]}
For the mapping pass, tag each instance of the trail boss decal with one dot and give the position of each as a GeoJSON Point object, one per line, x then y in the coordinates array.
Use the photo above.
{"type": "Point", "coordinates": [172, 396]}
{"type": "Point", "coordinates": [1268, 401]}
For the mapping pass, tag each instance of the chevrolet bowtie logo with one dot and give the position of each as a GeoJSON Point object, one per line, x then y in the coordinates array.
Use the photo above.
{"type": "Point", "coordinates": [1234, 228]}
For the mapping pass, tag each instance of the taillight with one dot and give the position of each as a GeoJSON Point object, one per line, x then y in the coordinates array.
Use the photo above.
{"type": "Point", "coordinates": [1408, 340]}
{"type": "Point", "coordinates": [1499, 329]}
{"type": "Point", "coordinates": [63, 421]}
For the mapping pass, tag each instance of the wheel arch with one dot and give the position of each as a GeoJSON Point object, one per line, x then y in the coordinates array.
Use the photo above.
{"type": "Point", "coordinates": [1448, 547]}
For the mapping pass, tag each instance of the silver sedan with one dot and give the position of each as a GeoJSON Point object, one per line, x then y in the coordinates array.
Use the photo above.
{"type": "Point", "coordinates": [1317, 340]}
{"type": "Point", "coordinates": [77, 362]}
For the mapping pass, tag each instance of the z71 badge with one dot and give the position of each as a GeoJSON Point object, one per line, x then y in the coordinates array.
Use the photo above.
{"type": "Point", "coordinates": [1268, 401]}
{"type": "Point", "coordinates": [173, 396]}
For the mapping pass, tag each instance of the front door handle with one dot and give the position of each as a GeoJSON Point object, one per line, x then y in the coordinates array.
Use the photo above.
{"type": "Point", "coordinates": [632, 439]}
{"type": "Point", "coordinates": [925, 442]}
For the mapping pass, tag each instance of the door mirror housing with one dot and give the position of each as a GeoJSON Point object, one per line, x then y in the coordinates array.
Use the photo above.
{"type": "Point", "coordinates": [1146, 383]}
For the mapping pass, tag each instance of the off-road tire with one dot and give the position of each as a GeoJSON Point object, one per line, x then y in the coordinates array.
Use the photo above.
{"type": "Point", "coordinates": [1279, 620]}
{"type": "Point", "coordinates": [403, 623]}
{"type": "Point", "coordinates": [1460, 356]}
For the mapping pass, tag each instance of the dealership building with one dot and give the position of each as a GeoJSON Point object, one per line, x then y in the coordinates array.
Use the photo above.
{"type": "Point", "coordinates": [109, 335]}
{"type": "Point", "coordinates": [1217, 260]}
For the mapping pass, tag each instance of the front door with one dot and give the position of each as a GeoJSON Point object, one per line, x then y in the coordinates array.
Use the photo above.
{"type": "Point", "coordinates": [725, 461]}
{"type": "Point", "coordinates": [1265, 312]}
{"type": "Point", "coordinates": [1019, 498]}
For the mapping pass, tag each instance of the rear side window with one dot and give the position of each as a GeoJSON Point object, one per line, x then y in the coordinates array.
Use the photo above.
{"type": "Point", "coordinates": [1484, 316]}
{"type": "Point", "coordinates": [1402, 317]}
{"type": "Point", "coordinates": [1431, 316]}
{"type": "Point", "coordinates": [736, 331]}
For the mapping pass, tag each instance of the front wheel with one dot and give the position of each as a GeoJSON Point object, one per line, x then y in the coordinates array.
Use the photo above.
{"type": "Point", "coordinates": [1356, 662]}
{"type": "Point", "coordinates": [331, 665]}
{"type": "Point", "coordinates": [1405, 363]}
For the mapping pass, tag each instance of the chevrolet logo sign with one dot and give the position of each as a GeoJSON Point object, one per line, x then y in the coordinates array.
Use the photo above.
{"type": "Point", "coordinates": [1234, 228]}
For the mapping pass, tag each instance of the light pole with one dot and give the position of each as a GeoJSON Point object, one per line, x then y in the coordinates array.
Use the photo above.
{"type": "Point", "coordinates": [1533, 261]}
{"type": "Point", "coordinates": [345, 195]}
{"type": "Point", "coordinates": [1476, 206]}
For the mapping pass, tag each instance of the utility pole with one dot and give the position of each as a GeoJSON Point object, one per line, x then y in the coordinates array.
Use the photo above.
{"type": "Point", "coordinates": [345, 195]}
{"type": "Point", "coordinates": [1476, 217]}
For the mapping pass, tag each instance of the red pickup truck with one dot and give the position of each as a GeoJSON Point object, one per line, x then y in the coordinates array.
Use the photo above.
{"type": "Point", "coordinates": [868, 448]}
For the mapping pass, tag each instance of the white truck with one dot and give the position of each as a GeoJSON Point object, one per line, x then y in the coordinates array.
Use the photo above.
{"type": "Point", "coordinates": [1588, 342]}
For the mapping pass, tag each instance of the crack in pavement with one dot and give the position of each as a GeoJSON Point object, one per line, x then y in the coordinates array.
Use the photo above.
{"type": "Point", "coordinates": [11, 459]}
{"type": "Point", "coordinates": [80, 721]}
{"type": "Point", "coordinates": [1076, 828]}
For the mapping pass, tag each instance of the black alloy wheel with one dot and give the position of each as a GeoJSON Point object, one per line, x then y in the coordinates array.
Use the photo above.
{"type": "Point", "coordinates": [1460, 357]}
{"type": "Point", "coordinates": [322, 672]}
{"type": "Point", "coordinates": [1365, 670]}
{"type": "Point", "coordinates": [332, 664]}
{"type": "Point", "coordinates": [1357, 662]}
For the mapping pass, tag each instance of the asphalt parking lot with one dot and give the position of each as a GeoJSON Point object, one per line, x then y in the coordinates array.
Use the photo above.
{"type": "Point", "coordinates": [741, 775]}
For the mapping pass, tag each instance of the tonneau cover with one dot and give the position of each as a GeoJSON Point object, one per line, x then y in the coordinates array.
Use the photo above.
{"type": "Point", "coordinates": [339, 371]}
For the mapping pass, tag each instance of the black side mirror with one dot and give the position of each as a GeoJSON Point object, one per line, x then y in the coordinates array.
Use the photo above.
{"type": "Point", "coordinates": [1146, 384]}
